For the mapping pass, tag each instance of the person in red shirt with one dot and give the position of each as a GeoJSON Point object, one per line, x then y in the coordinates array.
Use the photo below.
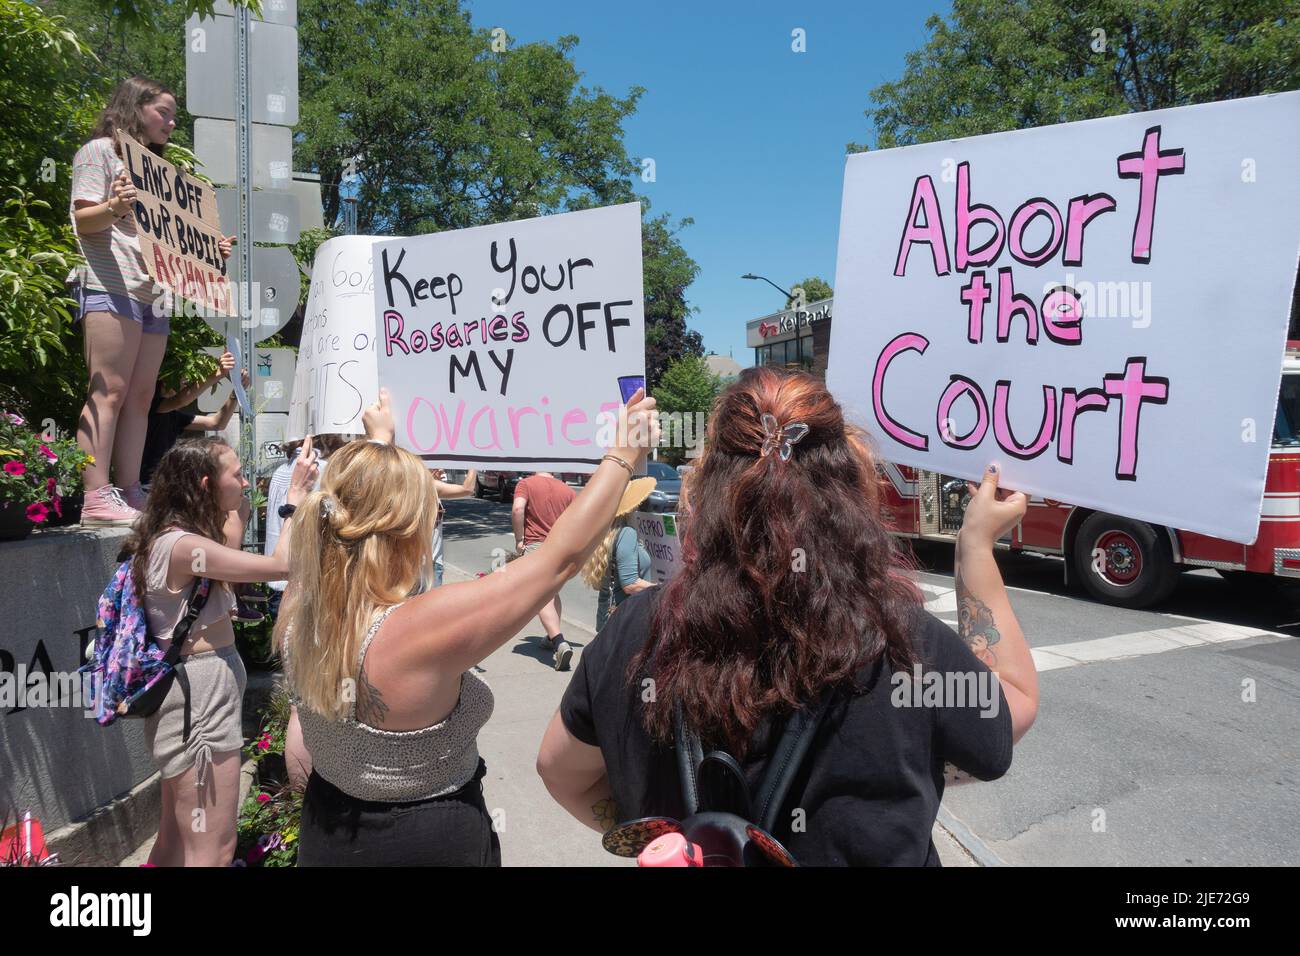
{"type": "Point", "coordinates": [540, 499]}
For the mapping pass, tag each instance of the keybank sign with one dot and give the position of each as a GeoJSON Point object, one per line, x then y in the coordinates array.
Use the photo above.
{"type": "Point", "coordinates": [783, 325]}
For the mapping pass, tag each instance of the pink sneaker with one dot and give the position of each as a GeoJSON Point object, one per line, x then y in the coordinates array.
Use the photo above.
{"type": "Point", "coordinates": [105, 508]}
{"type": "Point", "coordinates": [135, 497]}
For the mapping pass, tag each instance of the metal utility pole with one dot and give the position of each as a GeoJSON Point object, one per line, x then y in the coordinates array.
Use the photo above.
{"type": "Point", "coordinates": [248, 308]}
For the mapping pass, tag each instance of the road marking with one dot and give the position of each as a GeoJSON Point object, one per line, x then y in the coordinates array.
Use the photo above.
{"type": "Point", "coordinates": [1141, 643]}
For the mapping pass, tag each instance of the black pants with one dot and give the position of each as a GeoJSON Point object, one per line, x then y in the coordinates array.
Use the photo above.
{"type": "Point", "coordinates": [454, 830]}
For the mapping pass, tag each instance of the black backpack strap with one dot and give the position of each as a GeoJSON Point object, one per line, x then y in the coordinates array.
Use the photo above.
{"type": "Point", "coordinates": [690, 753]}
{"type": "Point", "coordinates": [783, 765]}
{"type": "Point", "coordinates": [194, 607]}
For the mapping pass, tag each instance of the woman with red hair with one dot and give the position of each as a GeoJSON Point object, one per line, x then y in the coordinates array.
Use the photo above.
{"type": "Point", "coordinates": [793, 593]}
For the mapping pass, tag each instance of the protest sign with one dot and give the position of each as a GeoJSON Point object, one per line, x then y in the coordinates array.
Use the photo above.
{"type": "Point", "coordinates": [176, 221]}
{"type": "Point", "coordinates": [236, 375]}
{"type": "Point", "coordinates": [504, 344]}
{"type": "Point", "coordinates": [335, 378]}
{"type": "Point", "coordinates": [658, 535]}
{"type": "Point", "coordinates": [1099, 307]}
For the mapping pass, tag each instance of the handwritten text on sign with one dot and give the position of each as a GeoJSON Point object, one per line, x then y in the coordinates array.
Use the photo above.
{"type": "Point", "coordinates": [659, 535]}
{"type": "Point", "coordinates": [179, 232]}
{"type": "Point", "coordinates": [335, 377]}
{"type": "Point", "coordinates": [505, 343]}
{"type": "Point", "coordinates": [978, 314]}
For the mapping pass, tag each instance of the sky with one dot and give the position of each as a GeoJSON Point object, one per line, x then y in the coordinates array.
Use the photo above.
{"type": "Point", "coordinates": [747, 136]}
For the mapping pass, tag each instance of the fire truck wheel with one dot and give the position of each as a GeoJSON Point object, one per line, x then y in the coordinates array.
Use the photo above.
{"type": "Point", "coordinates": [1124, 562]}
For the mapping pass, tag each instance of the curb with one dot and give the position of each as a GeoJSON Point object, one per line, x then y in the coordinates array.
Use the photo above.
{"type": "Point", "coordinates": [965, 838]}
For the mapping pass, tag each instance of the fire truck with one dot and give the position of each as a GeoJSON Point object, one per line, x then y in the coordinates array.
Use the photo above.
{"type": "Point", "coordinates": [1120, 560]}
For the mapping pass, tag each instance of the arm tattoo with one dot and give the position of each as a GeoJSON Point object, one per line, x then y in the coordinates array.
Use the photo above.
{"type": "Point", "coordinates": [606, 813]}
{"type": "Point", "coordinates": [371, 708]}
{"type": "Point", "coordinates": [975, 625]}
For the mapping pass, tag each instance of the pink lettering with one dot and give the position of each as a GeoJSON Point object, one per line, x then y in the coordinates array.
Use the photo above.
{"type": "Point", "coordinates": [1002, 423]}
{"type": "Point", "coordinates": [1133, 388]}
{"type": "Point", "coordinates": [1147, 166]}
{"type": "Point", "coordinates": [931, 231]}
{"type": "Point", "coordinates": [967, 216]}
{"type": "Point", "coordinates": [908, 341]}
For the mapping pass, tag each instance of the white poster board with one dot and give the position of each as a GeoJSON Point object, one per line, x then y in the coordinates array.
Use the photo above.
{"type": "Point", "coordinates": [503, 345]}
{"type": "Point", "coordinates": [658, 535]}
{"type": "Point", "coordinates": [335, 378]}
{"type": "Point", "coordinates": [1098, 307]}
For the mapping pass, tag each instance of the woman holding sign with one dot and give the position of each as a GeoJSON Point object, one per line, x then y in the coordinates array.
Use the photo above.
{"type": "Point", "coordinates": [124, 326]}
{"type": "Point", "coordinates": [794, 598]}
{"type": "Point", "coordinates": [383, 682]}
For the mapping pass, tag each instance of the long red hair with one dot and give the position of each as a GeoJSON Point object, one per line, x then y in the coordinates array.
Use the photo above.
{"type": "Point", "coordinates": [790, 582]}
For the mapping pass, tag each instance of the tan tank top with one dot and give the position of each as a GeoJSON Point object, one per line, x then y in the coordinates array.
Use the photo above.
{"type": "Point", "coordinates": [164, 607]}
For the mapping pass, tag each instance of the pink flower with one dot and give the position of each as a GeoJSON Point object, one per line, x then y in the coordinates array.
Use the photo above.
{"type": "Point", "coordinates": [16, 468]}
{"type": "Point", "coordinates": [45, 450]}
{"type": "Point", "coordinates": [16, 419]}
{"type": "Point", "coordinates": [264, 744]}
{"type": "Point", "coordinates": [57, 501]}
{"type": "Point", "coordinates": [50, 484]}
{"type": "Point", "coordinates": [37, 513]}
{"type": "Point", "coordinates": [263, 797]}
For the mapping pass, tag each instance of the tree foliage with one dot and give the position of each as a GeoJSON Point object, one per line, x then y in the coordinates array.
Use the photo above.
{"type": "Point", "coordinates": [688, 387]}
{"type": "Point", "coordinates": [814, 290]}
{"type": "Point", "coordinates": [996, 65]}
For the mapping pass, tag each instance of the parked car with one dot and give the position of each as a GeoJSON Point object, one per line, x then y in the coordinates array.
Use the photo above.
{"type": "Point", "coordinates": [497, 484]}
{"type": "Point", "coordinates": [668, 488]}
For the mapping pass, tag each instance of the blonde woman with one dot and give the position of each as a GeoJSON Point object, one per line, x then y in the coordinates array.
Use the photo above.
{"type": "Point", "coordinates": [125, 331]}
{"type": "Point", "coordinates": [383, 683]}
{"type": "Point", "coordinates": [618, 568]}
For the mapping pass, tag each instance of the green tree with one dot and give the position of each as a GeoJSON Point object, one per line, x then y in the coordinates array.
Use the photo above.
{"type": "Point", "coordinates": [814, 290]}
{"type": "Point", "coordinates": [688, 388]}
{"type": "Point", "coordinates": [667, 272]}
{"type": "Point", "coordinates": [996, 65]}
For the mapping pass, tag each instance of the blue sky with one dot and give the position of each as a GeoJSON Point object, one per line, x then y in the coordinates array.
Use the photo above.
{"type": "Point", "coordinates": [747, 135]}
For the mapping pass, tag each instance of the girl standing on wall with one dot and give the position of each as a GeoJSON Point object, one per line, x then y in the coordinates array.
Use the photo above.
{"type": "Point", "coordinates": [124, 326]}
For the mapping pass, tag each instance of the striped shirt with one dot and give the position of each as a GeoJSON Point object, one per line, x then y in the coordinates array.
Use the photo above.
{"type": "Point", "coordinates": [113, 260]}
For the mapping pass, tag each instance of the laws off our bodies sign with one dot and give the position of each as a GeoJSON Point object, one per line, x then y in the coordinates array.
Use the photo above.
{"type": "Point", "coordinates": [1100, 307]}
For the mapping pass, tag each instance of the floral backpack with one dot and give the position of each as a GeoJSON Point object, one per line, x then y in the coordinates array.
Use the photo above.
{"type": "Point", "coordinates": [130, 673]}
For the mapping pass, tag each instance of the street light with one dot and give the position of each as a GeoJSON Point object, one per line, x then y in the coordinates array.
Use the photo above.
{"type": "Point", "coordinates": [750, 275]}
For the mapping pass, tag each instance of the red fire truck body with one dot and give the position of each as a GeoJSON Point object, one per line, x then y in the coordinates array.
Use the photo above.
{"type": "Point", "coordinates": [1120, 560]}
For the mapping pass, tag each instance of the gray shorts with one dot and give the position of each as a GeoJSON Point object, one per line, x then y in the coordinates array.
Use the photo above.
{"type": "Point", "coordinates": [217, 681]}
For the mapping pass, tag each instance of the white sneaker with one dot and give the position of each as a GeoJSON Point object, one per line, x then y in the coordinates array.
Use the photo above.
{"type": "Point", "coordinates": [105, 508]}
{"type": "Point", "coordinates": [563, 654]}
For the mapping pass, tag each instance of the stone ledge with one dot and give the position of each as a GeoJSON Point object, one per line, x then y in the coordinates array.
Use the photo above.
{"type": "Point", "coordinates": [113, 831]}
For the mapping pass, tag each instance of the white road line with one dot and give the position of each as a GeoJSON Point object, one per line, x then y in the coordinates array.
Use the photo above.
{"type": "Point", "coordinates": [1141, 643]}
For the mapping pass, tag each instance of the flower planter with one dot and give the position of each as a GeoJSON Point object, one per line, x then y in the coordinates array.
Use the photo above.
{"type": "Point", "coordinates": [14, 525]}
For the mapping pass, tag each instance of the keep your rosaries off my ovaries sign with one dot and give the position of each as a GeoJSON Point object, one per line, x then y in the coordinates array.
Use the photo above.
{"type": "Point", "coordinates": [505, 343]}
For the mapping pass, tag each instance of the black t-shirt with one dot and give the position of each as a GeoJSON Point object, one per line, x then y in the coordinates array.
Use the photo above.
{"type": "Point", "coordinates": [871, 785]}
{"type": "Point", "coordinates": [165, 428]}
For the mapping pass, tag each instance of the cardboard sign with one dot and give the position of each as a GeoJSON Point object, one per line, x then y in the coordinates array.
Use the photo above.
{"type": "Point", "coordinates": [505, 344]}
{"type": "Point", "coordinates": [658, 535]}
{"type": "Point", "coordinates": [1098, 307]}
{"type": "Point", "coordinates": [176, 221]}
{"type": "Point", "coordinates": [335, 378]}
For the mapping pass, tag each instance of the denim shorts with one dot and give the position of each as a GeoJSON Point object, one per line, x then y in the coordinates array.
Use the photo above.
{"type": "Point", "coordinates": [154, 320]}
{"type": "Point", "coordinates": [451, 830]}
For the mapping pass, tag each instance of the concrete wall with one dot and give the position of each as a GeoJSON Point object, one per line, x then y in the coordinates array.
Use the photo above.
{"type": "Point", "coordinates": [54, 760]}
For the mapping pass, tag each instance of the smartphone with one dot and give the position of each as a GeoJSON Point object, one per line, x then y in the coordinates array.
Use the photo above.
{"type": "Point", "coordinates": [628, 385]}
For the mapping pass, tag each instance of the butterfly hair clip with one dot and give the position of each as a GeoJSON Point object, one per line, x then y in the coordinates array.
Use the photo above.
{"type": "Point", "coordinates": [781, 439]}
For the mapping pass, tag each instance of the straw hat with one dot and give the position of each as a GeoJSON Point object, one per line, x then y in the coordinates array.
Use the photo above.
{"type": "Point", "coordinates": [637, 491]}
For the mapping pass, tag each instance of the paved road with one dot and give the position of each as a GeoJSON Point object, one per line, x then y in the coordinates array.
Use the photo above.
{"type": "Point", "coordinates": [1144, 752]}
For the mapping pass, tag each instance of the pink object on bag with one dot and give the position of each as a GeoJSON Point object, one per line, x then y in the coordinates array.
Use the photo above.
{"type": "Point", "coordinates": [671, 849]}
{"type": "Point", "coordinates": [23, 844]}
